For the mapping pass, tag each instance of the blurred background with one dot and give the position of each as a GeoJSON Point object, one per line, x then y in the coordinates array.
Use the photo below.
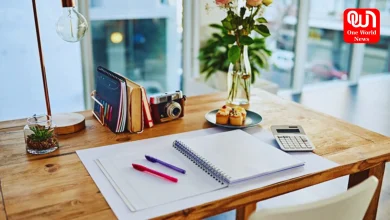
{"type": "Point", "coordinates": [157, 42]}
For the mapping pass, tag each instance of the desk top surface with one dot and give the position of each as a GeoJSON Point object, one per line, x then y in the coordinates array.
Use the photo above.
{"type": "Point", "coordinates": [57, 185]}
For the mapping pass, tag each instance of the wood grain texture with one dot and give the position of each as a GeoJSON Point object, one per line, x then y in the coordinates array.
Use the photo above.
{"type": "Point", "coordinates": [244, 212]}
{"type": "Point", "coordinates": [359, 177]}
{"type": "Point", "coordinates": [57, 185]}
{"type": "Point", "coordinates": [372, 210]}
{"type": "Point", "coordinates": [53, 188]}
{"type": "Point", "coordinates": [68, 123]}
{"type": "Point", "coordinates": [3, 215]}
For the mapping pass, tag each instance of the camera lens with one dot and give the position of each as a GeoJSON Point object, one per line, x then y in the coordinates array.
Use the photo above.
{"type": "Point", "coordinates": [176, 111]}
{"type": "Point", "coordinates": [173, 110]}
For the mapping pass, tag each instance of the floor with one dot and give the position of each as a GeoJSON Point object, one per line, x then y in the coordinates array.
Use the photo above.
{"type": "Point", "coordinates": [366, 105]}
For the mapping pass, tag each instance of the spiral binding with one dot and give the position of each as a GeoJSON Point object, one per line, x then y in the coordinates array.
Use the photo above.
{"type": "Point", "coordinates": [202, 163]}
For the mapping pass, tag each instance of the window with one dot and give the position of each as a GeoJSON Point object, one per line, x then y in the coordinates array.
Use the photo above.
{"type": "Point", "coordinates": [377, 56]}
{"type": "Point", "coordinates": [328, 56]}
{"type": "Point", "coordinates": [21, 90]}
{"type": "Point", "coordinates": [135, 48]}
{"type": "Point", "coordinates": [142, 41]}
{"type": "Point", "coordinates": [282, 18]}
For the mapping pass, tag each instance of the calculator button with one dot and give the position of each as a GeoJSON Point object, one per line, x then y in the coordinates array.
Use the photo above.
{"type": "Point", "coordinates": [304, 139]}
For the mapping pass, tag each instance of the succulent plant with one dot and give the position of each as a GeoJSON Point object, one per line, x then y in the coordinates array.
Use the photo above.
{"type": "Point", "coordinates": [40, 133]}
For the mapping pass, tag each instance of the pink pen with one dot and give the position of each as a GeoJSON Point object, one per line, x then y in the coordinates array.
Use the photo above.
{"type": "Point", "coordinates": [145, 169]}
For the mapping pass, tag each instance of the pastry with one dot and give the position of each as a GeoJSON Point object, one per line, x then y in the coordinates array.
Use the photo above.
{"type": "Point", "coordinates": [242, 111]}
{"type": "Point", "coordinates": [223, 115]}
{"type": "Point", "coordinates": [227, 108]}
{"type": "Point", "coordinates": [236, 118]}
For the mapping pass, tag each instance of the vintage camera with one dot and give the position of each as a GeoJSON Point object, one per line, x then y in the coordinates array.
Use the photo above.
{"type": "Point", "coordinates": [167, 106]}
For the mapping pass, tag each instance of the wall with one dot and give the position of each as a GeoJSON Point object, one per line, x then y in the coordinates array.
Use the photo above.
{"type": "Point", "coordinates": [212, 14]}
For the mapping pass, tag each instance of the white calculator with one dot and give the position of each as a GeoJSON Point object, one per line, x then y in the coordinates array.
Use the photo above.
{"type": "Point", "coordinates": [292, 138]}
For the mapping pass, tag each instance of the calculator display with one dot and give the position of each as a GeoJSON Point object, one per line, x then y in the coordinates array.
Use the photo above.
{"type": "Point", "coordinates": [287, 130]}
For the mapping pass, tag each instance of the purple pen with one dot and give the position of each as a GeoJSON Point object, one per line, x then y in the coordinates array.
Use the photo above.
{"type": "Point", "coordinates": [155, 160]}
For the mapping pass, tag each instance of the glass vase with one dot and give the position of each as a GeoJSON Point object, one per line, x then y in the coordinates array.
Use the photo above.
{"type": "Point", "coordinates": [39, 135]}
{"type": "Point", "coordinates": [239, 80]}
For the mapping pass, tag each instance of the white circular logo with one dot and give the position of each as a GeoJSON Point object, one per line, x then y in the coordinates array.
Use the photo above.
{"type": "Point", "coordinates": [355, 19]}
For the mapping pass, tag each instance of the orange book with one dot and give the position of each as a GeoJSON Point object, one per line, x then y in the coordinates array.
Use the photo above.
{"type": "Point", "coordinates": [134, 114]}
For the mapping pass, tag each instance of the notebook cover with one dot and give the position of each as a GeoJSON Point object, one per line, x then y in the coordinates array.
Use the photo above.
{"type": "Point", "coordinates": [237, 156]}
{"type": "Point", "coordinates": [108, 89]}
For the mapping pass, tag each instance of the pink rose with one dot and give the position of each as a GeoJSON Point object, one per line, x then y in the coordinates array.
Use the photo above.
{"type": "Point", "coordinates": [222, 2]}
{"type": "Point", "coordinates": [253, 3]}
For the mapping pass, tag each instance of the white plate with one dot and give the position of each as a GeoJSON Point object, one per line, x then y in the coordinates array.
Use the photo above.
{"type": "Point", "coordinates": [252, 119]}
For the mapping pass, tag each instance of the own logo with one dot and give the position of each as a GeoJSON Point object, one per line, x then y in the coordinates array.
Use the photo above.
{"type": "Point", "coordinates": [361, 25]}
{"type": "Point", "coordinates": [356, 20]}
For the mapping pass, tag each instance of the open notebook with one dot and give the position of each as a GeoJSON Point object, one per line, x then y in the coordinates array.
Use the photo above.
{"type": "Point", "coordinates": [212, 162]}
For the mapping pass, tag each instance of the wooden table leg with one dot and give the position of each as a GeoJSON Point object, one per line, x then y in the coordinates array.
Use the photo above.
{"type": "Point", "coordinates": [357, 178]}
{"type": "Point", "coordinates": [244, 212]}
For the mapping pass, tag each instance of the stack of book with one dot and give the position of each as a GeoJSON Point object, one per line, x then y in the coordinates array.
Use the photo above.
{"type": "Point", "coordinates": [120, 103]}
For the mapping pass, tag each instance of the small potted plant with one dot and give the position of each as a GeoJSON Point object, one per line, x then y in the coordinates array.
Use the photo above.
{"type": "Point", "coordinates": [39, 135]}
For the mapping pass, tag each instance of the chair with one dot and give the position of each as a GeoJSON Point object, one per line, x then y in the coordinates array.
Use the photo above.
{"type": "Point", "coordinates": [350, 205]}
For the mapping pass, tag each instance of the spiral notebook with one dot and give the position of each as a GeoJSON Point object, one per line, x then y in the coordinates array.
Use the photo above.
{"type": "Point", "coordinates": [212, 162]}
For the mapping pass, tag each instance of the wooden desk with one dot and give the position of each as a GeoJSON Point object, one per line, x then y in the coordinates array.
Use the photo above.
{"type": "Point", "coordinates": [57, 185]}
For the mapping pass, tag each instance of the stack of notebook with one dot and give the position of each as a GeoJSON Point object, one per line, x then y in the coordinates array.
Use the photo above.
{"type": "Point", "coordinates": [211, 162]}
{"type": "Point", "coordinates": [120, 103]}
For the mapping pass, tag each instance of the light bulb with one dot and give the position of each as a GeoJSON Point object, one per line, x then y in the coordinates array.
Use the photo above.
{"type": "Point", "coordinates": [72, 25]}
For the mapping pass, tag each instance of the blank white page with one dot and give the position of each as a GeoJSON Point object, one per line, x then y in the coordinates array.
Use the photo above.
{"type": "Point", "coordinates": [140, 190]}
{"type": "Point", "coordinates": [240, 155]}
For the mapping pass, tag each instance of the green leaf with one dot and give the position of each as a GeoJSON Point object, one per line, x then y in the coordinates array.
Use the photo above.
{"type": "Point", "coordinates": [246, 40]}
{"type": "Point", "coordinates": [217, 26]}
{"type": "Point", "coordinates": [268, 52]}
{"type": "Point", "coordinates": [236, 21]}
{"type": "Point", "coordinates": [262, 20]}
{"type": "Point", "coordinates": [209, 73]}
{"type": "Point", "coordinates": [230, 15]}
{"type": "Point", "coordinates": [263, 58]}
{"type": "Point", "coordinates": [234, 54]}
{"type": "Point", "coordinates": [262, 29]}
{"type": "Point", "coordinates": [217, 36]}
{"type": "Point", "coordinates": [227, 24]}
{"type": "Point", "coordinates": [229, 39]}
{"type": "Point", "coordinates": [259, 42]}
{"type": "Point", "coordinates": [242, 11]}
{"type": "Point", "coordinates": [253, 77]}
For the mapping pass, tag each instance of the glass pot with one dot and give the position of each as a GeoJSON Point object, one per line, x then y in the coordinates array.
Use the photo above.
{"type": "Point", "coordinates": [239, 80]}
{"type": "Point", "coordinates": [39, 135]}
